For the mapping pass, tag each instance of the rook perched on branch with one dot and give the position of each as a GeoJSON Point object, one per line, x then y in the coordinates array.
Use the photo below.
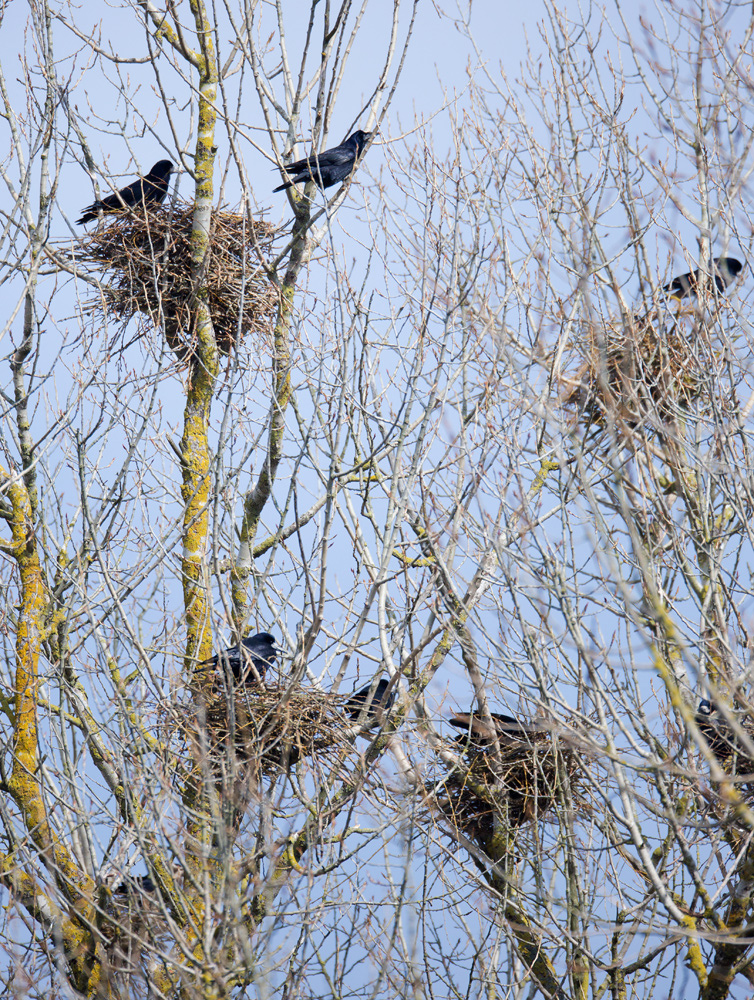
{"type": "Point", "coordinates": [149, 190]}
{"type": "Point", "coordinates": [374, 700]}
{"type": "Point", "coordinates": [724, 270]}
{"type": "Point", "coordinates": [330, 167]}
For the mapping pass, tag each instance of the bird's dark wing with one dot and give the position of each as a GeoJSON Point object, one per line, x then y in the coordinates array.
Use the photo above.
{"type": "Point", "coordinates": [154, 192]}
{"type": "Point", "coordinates": [261, 650]}
{"type": "Point", "coordinates": [258, 651]}
{"type": "Point", "coordinates": [329, 167]}
{"type": "Point", "coordinates": [330, 158]}
{"type": "Point", "coordinates": [340, 156]}
{"type": "Point", "coordinates": [379, 702]}
{"type": "Point", "coordinates": [130, 195]}
{"type": "Point", "coordinates": [303, 166]}
{"type": "Point", "coordinates": [127, 197]}
{"type": "Point", "coordinates": [135, 885]}
{"type": "Point", "coordinates": [502, 720]}
{"type": "Point", "coordinates": [505, 725]}
{"type": "Point", "coordinates": [149, 190]}
{"type": "Point", "coordinates": [724, 270]}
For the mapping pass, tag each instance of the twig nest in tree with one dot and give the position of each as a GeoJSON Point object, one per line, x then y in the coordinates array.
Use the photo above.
{"type": "Point", "coordinates": [730, 744]}
{"type": "Point", "coordinates": [145, 259]}
{"type": "Point", "coordinates": [518, 785]}
{"type": "Point", "coordinates": [273, 727]}
{"type": "Point", "coordinates": [642, 370]}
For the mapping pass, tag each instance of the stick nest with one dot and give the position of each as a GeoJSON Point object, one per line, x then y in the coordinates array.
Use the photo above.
{"type": "Point", "coordinates": [273, 726]}
{"type": "Point", "coordinates": [639, 369]}
{"type": "Point", "coordinates": [729, 750]}
{"type": "Point", "coordinates": [145, 257]}
{"type": "Point", "coordinates": [522, 788]}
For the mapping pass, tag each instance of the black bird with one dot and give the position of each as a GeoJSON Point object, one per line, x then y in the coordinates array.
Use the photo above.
{"type": "Point", "coordinates": [714, 729]}
{"type": "Point", "coordinates": [330, 167]}
{"type": "Point", "coordinates": [508, 729]}
{"type": "Point", "coordinates": [249, 660]}
{"type": "Point", "coordinates": [721, 738]}
{"type": "Point", "coordinates": [708, 726]}
{"type": "Point", "coordinates": [724, 270]}
{"type": "Point", "coordinates": [135, 885]}
{"type": "Point", "coordinates": [149, 190]}
{"type": "Point", "coordinates": [375, 703]}
{"type": "Point", "coordinates": [531, 756]}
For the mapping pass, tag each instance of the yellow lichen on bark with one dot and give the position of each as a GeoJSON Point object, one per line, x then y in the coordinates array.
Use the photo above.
{"type": "Point", "coordinates": [195, 446]}
{"type": "Point", "coordinates": [195, 492]}
{"type": "Point", "coordinates": [29, 635]}
{"type": "Point", "coordinates": [23, 783]}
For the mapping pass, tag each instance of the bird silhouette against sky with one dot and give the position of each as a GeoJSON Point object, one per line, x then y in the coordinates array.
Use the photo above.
{"type": "Point", "coordinates": [149, 190]}
{"type": "Point", "coordinates": [507, 728]}
{"type": "Point", "coordinates": [249, 660]}
{"type": "Point", "coordinates": [724, 270]}
{"type": "Point", "coordinates": [374, 701]}
{"type": "Point", "coordinates": [330, 167]}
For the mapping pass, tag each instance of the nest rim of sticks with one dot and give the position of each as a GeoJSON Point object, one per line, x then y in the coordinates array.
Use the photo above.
{"type": "Point", "coordinates": [521, 783]}
{"type": "Point", "coordinates": [144, 258]}
{"type": "Point", "coordinates": [642, 368]}
{"type": "Point", "coordinates": [272, 726]}
{"type": "Point", "coordinates": [728, 748]}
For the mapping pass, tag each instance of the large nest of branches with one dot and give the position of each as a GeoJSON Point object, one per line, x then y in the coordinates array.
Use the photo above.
{"type": "Point", "coordinates": [132, 922]}
{"type": "Point", "coordinates": [518, 785]}
{"type": "Point", "coordinates": [644, 368]}
{"type": "Point", "coordinates": [145, 259]}
{"type": "Point", "coordinates": [730, 746]}
{"type": "Point", "coordinates": [272, 727]}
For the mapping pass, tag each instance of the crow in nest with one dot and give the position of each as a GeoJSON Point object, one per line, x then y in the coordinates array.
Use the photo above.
{"type": "Point", "coordinates": [248, 661]}
{"type": "Point", "coordinates": [507, 729]}
{"type": "Point", "coordinates": [526, 777]}
{"type": "Point", "coordinates": [135, 885]}
{"type": "Point", "coordinates": [330, 167]}
{"type": "Point", "coordinates": [724, 270]}
{"type": "Point", "coordinates": [149, 190]}
{"type": "Point", "coordinates": [722, 739]}
{"type": "Point", "coordinates": [374, 700]}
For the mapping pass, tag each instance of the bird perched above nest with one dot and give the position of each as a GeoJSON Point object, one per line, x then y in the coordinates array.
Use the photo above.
{"type": "Point", "coordinates": [724, 270]}
{"type": "Point", "coordinates": [135, 886]}
{"type": "Point", "coordinates": [248, 661]}
{"type": "Point", "coordinates": [149, 190]}
{"type": "Point", "coordinates": [507, 729]}
{"type": "Point", "coordinates": [328, 168]}
{"type": "Point", "coordinates": [274, 724]}
{"type": "Point", "coordinates": [373, 701]}
{"type": "Point", "coordinates": [516, 786]}
{"type": "Point", "coordinates": [638, 369]}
